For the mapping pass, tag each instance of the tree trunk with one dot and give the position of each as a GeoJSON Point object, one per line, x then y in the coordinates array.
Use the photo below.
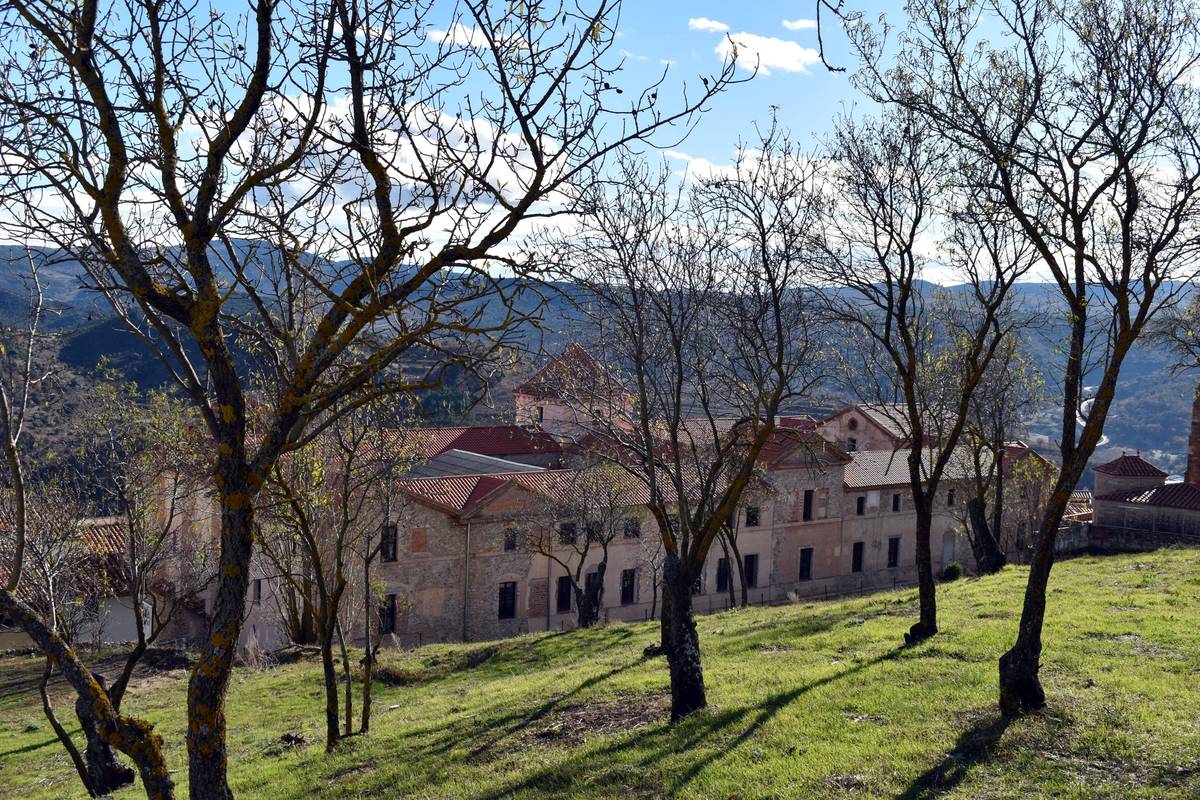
{"type": "Point", "coordinates": [1020, 688]}
{"type": "Point", "coordinates": [998, 505]}
{"type": "Point", "coordinates": [926, 588]}
{"type": "Point", "coordinates": [60, 732]}
{"type": "Point", "coordinates": [207, 750]}
{"type": "Point", "coordinates": [989, 558]}
{"type": "Point", "coordinates": [134, 737]}
{"type": "Point", "coordinates": [349, 678]}
{"type": "Point", "coordinates": [683, 646]}
{"type": "Point", "coordinates": [106, 773]}
{"type": "Point", "coordinates": [728, 570]}
{"type": "Point", "coordinates": [741, 570]}
{"type": "Point", "coordinates": [333, 727]}
{"type": "Point", "coordinates": [368, 661]}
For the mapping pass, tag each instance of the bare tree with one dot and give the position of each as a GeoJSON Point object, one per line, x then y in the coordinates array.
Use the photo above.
{"type": "Point", "coordinates": [198, 168]}
{"type": "Point", "coordinates": [1179, 330]}
{"type": "Point", "coordinates": [702, 335]}
{"type": "Point", "coordinates": [924, 349]}
{"type": "Point", "coordinates": [1086, 116]}
{"type": "Point", "coordinates": [1011, 389]}
{"type": "Point", "coordinates": [575, 527]}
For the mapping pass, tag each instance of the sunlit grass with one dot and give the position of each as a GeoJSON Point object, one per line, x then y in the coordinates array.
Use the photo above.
{"type": "Point", "coordinates": [811, 700]}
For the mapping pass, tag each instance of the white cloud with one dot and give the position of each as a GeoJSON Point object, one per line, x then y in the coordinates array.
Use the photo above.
{"type": "Point", "coordinates": [767, 53]}
{"type": "Point", "coordinates": [800, 24]}
{"type": "Point", "coordinates": [461, 35]}
{"type": "Point", "coordinates": [706, 24]}
{"type": "Point", "coordinates": [633, 56]}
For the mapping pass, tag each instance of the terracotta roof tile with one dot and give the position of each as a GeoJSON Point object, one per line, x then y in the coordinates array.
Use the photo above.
{"type": "Point", "coordinates": [1128, 466]}
{"type": "Point", "coordinates": [870, 469]}
{"type": "Point", "coordinates": [574, 366]}
{"type": "Point", "coordinates": [1173, 495]}
{"type": "Point", "coordinates": [487, 440]}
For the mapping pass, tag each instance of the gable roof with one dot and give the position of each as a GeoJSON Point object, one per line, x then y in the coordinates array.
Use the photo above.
{"type": "Point", "coordinates": [885, 417]}
{"type": "Point", "coordinates": [463, 462]}
{"type": "Point", "coordinates": [1128, 466]}
{"type": "Point", "coordinates": [1173, 495]}
{"type": "Point", "coordinates": [573, 367]}
{"type": "Point", "coordinates": [800, 447]}
{"type": "Point", "coordinates": [486, 440]}
{"type": "Point", "coordinates": [876, 469]}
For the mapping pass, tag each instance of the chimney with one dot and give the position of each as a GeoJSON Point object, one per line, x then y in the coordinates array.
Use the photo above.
{"type": "Point", "coordinates": [1193, 462]}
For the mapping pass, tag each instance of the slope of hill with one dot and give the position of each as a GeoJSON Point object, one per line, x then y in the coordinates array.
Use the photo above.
{"type": "Point", "coordinates": [808, 701]}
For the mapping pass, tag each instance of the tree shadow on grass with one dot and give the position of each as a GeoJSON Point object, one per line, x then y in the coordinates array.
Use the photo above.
{"type": "Point", "coordinates": [974, 747]}
{"type": "Point", "coordinates": [667, 741]}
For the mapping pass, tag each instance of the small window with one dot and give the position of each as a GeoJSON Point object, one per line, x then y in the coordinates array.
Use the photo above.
{"type": "Point", "coordinates": [808, 505]}
{"type": "Point", "coordinates": [750, 569]}
{"type": "Point", "coordinates": [566, 533]}
{"type": "Point", "coordinates": [852, 424]}
{"type": "Point", "coordinates": [950, 499]}
{"type": "Point", "coordinates": [594, 530]}
{"type": "Point", "coordinates": [856, 562]}
{"type": "Point", "coordinates": [387, 543]}
{"type": "Point", "coordinates": [896, 502]}
{"type": "Point", "coordinates": [894, 551]}
{"type": "Point", "coordinates": [510, 539]}
{"type": "Point", "coordinates": [562, 599]}
{"type": "Point", "coordinates": [861, 505]}
{"type": "Point", "coordinates": [508, 600]}
{"type": "Point", "coordinates": [752, 516]}
{"type": "Point", "coordinates": [257, 591]}
{"type": "Point", "coordinates": [541, 414]}
{"type": "Point", "coordinates": [628, 586]}
{"type": "Point", "coordinates": [387, 614]}
{"type": "Point", "coordinates": [806, 558]}
{"type": "Point", "coordinates": [852, 445]}
{"type": "Point", "coordinates": [723, 575]}
{"type": "Point", "coordinates": [632, 528]}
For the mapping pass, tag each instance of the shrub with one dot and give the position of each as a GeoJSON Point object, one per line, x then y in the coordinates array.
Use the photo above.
{"type": "Point", "coordinates": [952, 572]}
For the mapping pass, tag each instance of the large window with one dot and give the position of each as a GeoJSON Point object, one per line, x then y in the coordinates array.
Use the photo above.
{"type": "Point", "coordinates": [387, 614]}
{"type": "Point", "coordinates": [856, 562]}
{"type": "Point", "coordinates": [566, 533]}
{"type": "Point", "coordinates": [628, 586]}
{"type": "Point", "coordinates": [752, 516]}
{"type": "Point", "coordinates": [562, 599]}
{"type": "Point", "coordinates": [387, 543]}
{"type": "Point", "coordinates": [750, 569]}
{"type": "Point", "coordinates": [860, 507]}
{"type": "Point", "coordinates": [806, 558]}
{"type": "Point", "coordinates": [894, 551]}
{"type": "Point", "coordinates": [508, 600]}
{"type": "Point", "coordinates": [808, 505]}
{"type": "Point", "coordinates": [723, 575]}
{"type": "Point", "coordinates": [591, 583]}
{"type": "Point", "coordinates": [510, 539]}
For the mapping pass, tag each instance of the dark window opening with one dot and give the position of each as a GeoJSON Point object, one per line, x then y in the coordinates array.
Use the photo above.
{"type": "Point", "coordinates": [896, 502]}
{"type": "Point", "coordinates": [633, 528]}
{"type": "Point", "coordinates": [752, 516]}
{"type": "Point", "coordinates": [861, 506]}
{"type": "Point", "coordinates": [806, 555]}
{"type": "Point", "coordinates": [950, 499]}
{"type": "Point", "coordinates": [628, 586]}
{"type": "Point", "coordinates": [508, 600]}
{"type": "Point", "coordinates": [510, 538]}
{"type": "Point", "coordinates": [808, 505]}
{"type": "Point", "coordinates": [856, 562]}
{"type": "Point", "coordinates": [591, 583]}
{"type": "Point", "coordinates": [594, 530]}
{"type": "Point", "coordinates": [723, 575]}
{"type": "Point", "coordinates": [566, 533]}
{"type": "Point", "coordinates": [851, 445]}
{"type": "Point", "coordinates": [387, 614]}
{"type": "Point", "coordinates": [257, 591]}
{"type": "Point", "coordinates": [541, 414]}
{"type": "Point", "coordinates": [894, 551]}
{"type": "Point", "coordinates": [387, 543]}
{"type": "Point", "coordinates": [562, 600]}
{"type": "Point", "coordinates": [750, 569]}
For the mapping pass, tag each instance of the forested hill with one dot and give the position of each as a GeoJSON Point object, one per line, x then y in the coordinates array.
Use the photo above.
{"type": "Point", "coordinates": [1151, 412]}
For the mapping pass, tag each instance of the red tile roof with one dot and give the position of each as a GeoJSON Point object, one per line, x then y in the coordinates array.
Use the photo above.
{"type": "Point", "coordinates": [874, 469]}
{"type": "Point", "coordinates": [1173, 495]}
{"type": "Point", "coordinates": [1128, 466]}
{"type": "Point", "coordinates": [104, 535]}
{"type": "Point", "coordinates": [573, 368]}
{"type": "Point", "coordinates": [488, 440]}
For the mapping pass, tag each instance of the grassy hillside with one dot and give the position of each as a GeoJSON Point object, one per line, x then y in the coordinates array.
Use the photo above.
{"type": "Point", "coordinates": [808, 700]}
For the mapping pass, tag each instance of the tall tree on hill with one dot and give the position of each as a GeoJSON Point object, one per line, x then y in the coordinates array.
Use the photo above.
{"type": "Point", "coordinates": [197, 165]}
{"type": "Point", "coordinates": [1179, 330]}
{"type": "Point", "coordinates": [919, 352]}
{"type": "Point", "coordinates": [703, 334]}
{"type": "Point", "coordinates": [1086, 116]}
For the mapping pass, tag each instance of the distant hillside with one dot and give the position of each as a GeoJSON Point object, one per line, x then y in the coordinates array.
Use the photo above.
{"type": "Point", "coordinates": [1151, 412]}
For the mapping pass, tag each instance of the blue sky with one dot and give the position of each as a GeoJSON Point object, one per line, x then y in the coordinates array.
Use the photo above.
{"type": "Point", "coordinates": [688, 34]}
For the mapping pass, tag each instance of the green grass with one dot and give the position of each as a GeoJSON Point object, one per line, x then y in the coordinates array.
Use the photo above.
{"type": "Point", "coordinates": [811, 700]}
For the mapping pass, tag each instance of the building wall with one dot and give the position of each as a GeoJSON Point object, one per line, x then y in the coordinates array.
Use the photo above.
{"type": "Point", "coordinates": [1118, 483]}
{"type": "Point", "coordinates": [857, 426]}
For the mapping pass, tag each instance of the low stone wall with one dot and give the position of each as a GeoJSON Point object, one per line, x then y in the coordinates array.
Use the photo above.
{"type": "Point", "coordinates": [1087, 537]}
